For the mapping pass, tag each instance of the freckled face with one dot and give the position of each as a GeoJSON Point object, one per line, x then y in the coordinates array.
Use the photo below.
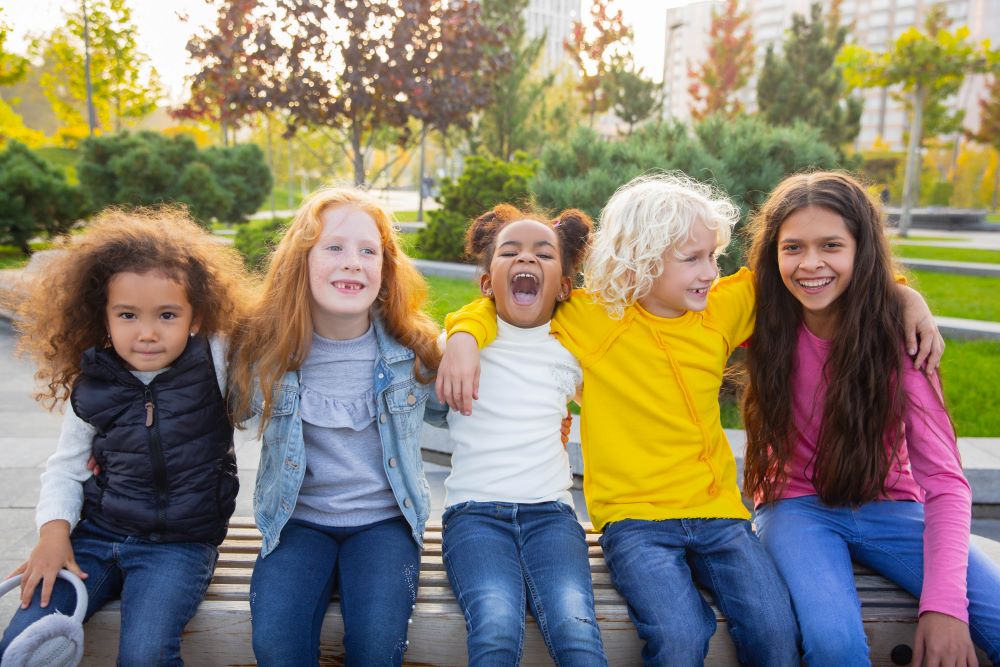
{"type": "Point", "coordinates": [689, 269]}
{"type": "Point", "coordinates": [345, 272]}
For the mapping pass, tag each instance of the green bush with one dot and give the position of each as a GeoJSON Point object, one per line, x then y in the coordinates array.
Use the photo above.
{"type": "Point", "coordinates": [484, 183]}
{"type": "Point", "coordinates": [147, 169]}
{"type": "Point", "coordinates": [744, 157]}
{"type": "Point", "coordinates": [34, 198]}
{"type": "Point", "coordinates": [257, 238]}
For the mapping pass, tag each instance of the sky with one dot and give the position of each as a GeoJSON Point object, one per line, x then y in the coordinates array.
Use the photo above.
{"type": "Point", "coordinates": [163, 35]}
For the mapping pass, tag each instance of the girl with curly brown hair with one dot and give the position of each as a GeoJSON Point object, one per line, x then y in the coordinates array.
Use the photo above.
{"type": "Point", "coordinates": [126, 325]}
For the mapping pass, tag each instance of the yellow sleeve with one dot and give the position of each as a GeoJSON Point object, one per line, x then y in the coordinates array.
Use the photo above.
{"type": "Point", "coordinates": [478, 318]}
{"type": "Point", "coordinates": [581, 324]}
{"type": "Point", "coordinates": [732, 306]}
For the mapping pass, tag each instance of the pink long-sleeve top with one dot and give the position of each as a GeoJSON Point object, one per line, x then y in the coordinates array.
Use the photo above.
{"type": "Point", "coordinates": [928, 470]}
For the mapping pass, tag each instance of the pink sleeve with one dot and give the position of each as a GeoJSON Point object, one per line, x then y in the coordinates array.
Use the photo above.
{"type": "Point", "coordinates": [937, 468]}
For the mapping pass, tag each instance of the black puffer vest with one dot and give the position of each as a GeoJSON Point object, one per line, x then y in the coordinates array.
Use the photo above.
{"type": "Point", "coordinates": [168, 469]}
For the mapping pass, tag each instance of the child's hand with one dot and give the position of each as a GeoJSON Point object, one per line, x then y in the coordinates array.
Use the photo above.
{"type": "Point", "coordinates": [919, 321]}
{"type": "Point", "coordinates": [943, 640]}
{"type": "Point", "coordinates": [93, 466]}
{"type": "Point", "coordinates": [52, 553]}
{"type": "Point", "coordinates": [458, 375]}
{"type": "Point", "coordinates": [567, 426]}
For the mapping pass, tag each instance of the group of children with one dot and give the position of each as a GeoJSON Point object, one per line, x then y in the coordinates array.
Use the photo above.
{"type": "Point", "coordinates": [146, 330]}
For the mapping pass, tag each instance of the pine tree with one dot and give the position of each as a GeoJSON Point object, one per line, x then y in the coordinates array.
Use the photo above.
{"type": "Point", "coordinates": [804, 83]}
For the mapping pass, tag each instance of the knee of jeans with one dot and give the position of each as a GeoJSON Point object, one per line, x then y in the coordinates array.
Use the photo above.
{"type": "Point", "coordinates": [578, 627]}
{"type": "Point", "coordinates": [834, 644]}
{"type": "Point", "coordinates": [148, 649]}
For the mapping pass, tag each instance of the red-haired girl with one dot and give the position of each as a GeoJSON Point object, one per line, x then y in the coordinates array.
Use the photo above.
{"type": "Point", "coordinates": [334, 361]}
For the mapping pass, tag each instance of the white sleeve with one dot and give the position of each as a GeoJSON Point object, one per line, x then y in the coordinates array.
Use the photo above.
{"type": "Point", "coordinates": [219, 347]}
{"type": "Point", "coordinates": [61, 495]}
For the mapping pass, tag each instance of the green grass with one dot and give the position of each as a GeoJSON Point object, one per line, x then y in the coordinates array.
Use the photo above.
{"type": "Point", "coordinates": [969, 371]}
{"type": "Point", "coordinates": [407, 216]}
{"type": "Point", "coordinates": [951, 295]}
{"type": "Point", "coordinates": [918, 237]}
{"type": "Point", "coordinates": [993, 217]}
{"type": "Point", "coordinates": [448, 295]}
{"type": "Point", "coordinates": [11, 257]}
{"type": "Point", "coordinates": [947, 254]}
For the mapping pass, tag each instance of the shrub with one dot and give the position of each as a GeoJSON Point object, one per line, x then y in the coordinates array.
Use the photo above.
{"type": "Point", "coordinates": [744, 157]}
{"type": "Point", "coordinates": [34, 198]}
{"type": "Point", "coordinates": [485, 182]}
{"type": "Point", "coordinates": [147, 168]}
{"type": "Point", "coordinates": [257, 238]}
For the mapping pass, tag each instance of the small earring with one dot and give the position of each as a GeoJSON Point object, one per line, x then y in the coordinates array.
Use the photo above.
{"type": "Point", "coordinates": [191, 334]}
{"type": "Point", "coordinates": [489, 292]}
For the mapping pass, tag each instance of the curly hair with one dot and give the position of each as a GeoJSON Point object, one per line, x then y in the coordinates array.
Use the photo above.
{"type": "Point", "coordinates": [643, 219]}
{"type": "Point", "coordinates": [572, 228]}
{"type": "Point", "coordinates": [64, 312]}
{"type": "Point", "coordinates": [276, 335]}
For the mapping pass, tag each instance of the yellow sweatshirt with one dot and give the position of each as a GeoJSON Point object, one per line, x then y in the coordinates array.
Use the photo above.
{"type": "Point", "coordinates": [653, 444]}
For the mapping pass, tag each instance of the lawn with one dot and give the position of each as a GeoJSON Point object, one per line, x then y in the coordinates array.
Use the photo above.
{"type": "Point", "coordinates": [951, 295]}
{"type": "Point", "coordinates": [968, 373]}
{"type": "Point", "coordinates": [448, 295]}
{"type": "Point", "coordinates": [946, 254]}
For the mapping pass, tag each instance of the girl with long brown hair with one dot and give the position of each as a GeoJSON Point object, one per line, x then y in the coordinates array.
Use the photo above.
{"type": "Point", "coordinates": [333, 361]}
{"type": "Point", "coordinates": [850, 451]}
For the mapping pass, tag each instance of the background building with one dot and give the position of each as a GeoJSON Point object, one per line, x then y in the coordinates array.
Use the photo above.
{"type": "Point", "coordinates": [554, 19]}
{"type": "Point", "coordinates": [876, 25]}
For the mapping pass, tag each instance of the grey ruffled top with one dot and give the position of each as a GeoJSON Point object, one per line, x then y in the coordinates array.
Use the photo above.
{"type": "Point", "coordinates": [345, 482]}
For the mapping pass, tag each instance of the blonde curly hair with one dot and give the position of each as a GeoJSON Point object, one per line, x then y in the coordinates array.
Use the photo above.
{"type": "Point", "coordinates": [645, 218]}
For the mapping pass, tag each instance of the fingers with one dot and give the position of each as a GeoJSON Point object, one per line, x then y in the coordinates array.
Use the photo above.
{"type": "Point", "coordinates": [937, 352]}
{"type": "Point", "coordinates": [439, 389]}
{"type": "Point", "coordinates": [28, 585]}
{"type": "Point", "coordinates": [18, 570]}
{"type": "Point", "coordinates": [918, 650]}
{"type": "Point", "coordinates": [475, 385]}
{"type": "Point", "coordinates": [465, 395]}
{"type": "Point", "coordinates": [75, 569]}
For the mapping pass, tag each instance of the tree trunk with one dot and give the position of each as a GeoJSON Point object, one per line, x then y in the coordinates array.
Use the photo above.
{"type": "Point", "coordinates": [225, 132]}
{"type": "Point", "coordinates": [26, 248]}
{"type": "Point", "coordinates": [357, 155]}
{"type": "Point", "coordinates": [912, 175]}
{"type": "Point", "coordinates": [996, 184]}
{"type": "Point", "coordinates": [420, 177]}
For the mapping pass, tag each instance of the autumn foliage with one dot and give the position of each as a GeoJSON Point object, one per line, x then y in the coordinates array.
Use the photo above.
{"type": "Point", "coordinates": [715, 83]}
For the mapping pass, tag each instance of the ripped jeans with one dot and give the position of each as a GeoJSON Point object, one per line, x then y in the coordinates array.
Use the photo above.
{"type": "Point", "coordinates": [375, 567]}
{"type": "Point", "coordinates": [502, 557]}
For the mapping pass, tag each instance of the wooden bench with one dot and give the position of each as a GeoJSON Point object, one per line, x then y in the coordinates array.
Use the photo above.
{"type": "Point", "coordinates": [220, 632]}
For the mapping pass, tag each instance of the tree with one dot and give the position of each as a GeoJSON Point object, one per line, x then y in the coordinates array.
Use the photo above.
{"type": "Point", "coordinates": [125, 86]}
{"type": "Point", "coordinates": [592, 50]}
{"type": "Point", "coordinates": [226, 89]}
{"type": "Point", "coordinates": [634, 98]}
{"type": "Point", "coordinates": [34, 198]}
{"type": "Point", "coordinates": [12, 66]}
{"type": "Point", "coordinates": [920, 63]}
{"type": "Point", "coordinates": [716, 82]}
{"type": "Point", "coordinates": [361, 71]}
{"type": "Point", "coordinates": [989, 129]}
{"type": "Point", "coordinates": [804, 83]}
{"type": "Point", "coordinates": [504, 126]}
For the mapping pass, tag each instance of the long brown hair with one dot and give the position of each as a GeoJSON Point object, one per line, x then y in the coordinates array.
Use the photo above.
{"type": "Point", "coordinates": [861, 429]}
{"type": "Point", "coordinates": [275, 338]}
{"type": "Point", "coordinates": [64, 313]}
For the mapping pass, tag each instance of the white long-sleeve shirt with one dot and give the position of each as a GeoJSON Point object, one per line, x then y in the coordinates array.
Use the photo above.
{"type": "Point", "coordinates": [510, 448]}
{"type": "Point", "coordinates": [61, 494]}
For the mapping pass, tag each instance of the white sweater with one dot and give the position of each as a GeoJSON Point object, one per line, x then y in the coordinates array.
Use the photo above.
{"type": "Point", "coordinates": [61, 495]}
{"type": "Point", "coordinates": [510, 449]}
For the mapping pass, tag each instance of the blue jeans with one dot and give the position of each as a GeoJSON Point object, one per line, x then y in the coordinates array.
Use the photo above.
{"type": "Point", "coordinates": [655, 564]}
{"type": "Point", "coordinates": [376, 568]}
{"type": "Point", "coordinates": [502, 556]}
{"type": "Point", "coordinates": [813, 545]}
{"type": "Point", "coordinates": [160, 585]}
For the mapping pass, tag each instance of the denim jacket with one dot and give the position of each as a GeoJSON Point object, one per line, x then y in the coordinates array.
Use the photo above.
{"type": "Point", "coordinates": [402, 407]}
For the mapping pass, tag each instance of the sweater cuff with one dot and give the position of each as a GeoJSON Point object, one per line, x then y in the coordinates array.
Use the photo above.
{"type": "Point", "coordinates": [471, 327]}
{"type": "Point", "coordinates": [42, 517]}
{"type": "Point", "coordinates": [955, 608]}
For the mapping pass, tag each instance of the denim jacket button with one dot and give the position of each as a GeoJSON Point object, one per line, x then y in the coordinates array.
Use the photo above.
{"type": "Point", "coordinates": [392, 463]}
{"type": "Point", "coordinates": [382, 418]}
{"type": "Point", "coordinates": [381, 375]}
{"type": "Point", "coordinates": [411, 399]}
{"type": "Point", "coordinates": [407, 503]}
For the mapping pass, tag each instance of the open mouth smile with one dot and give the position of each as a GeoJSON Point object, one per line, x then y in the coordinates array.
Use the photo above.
{"type": "Point", "coordinates": [814, 284]}
{"type": "Point", "coordinates": [348, 285]}
{"type": "Point", "coordinates": [524, 289]}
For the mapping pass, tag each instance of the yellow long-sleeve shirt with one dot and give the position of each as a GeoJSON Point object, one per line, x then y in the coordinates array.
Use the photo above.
{"type": "Point", "coordinates": [653, 444]}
